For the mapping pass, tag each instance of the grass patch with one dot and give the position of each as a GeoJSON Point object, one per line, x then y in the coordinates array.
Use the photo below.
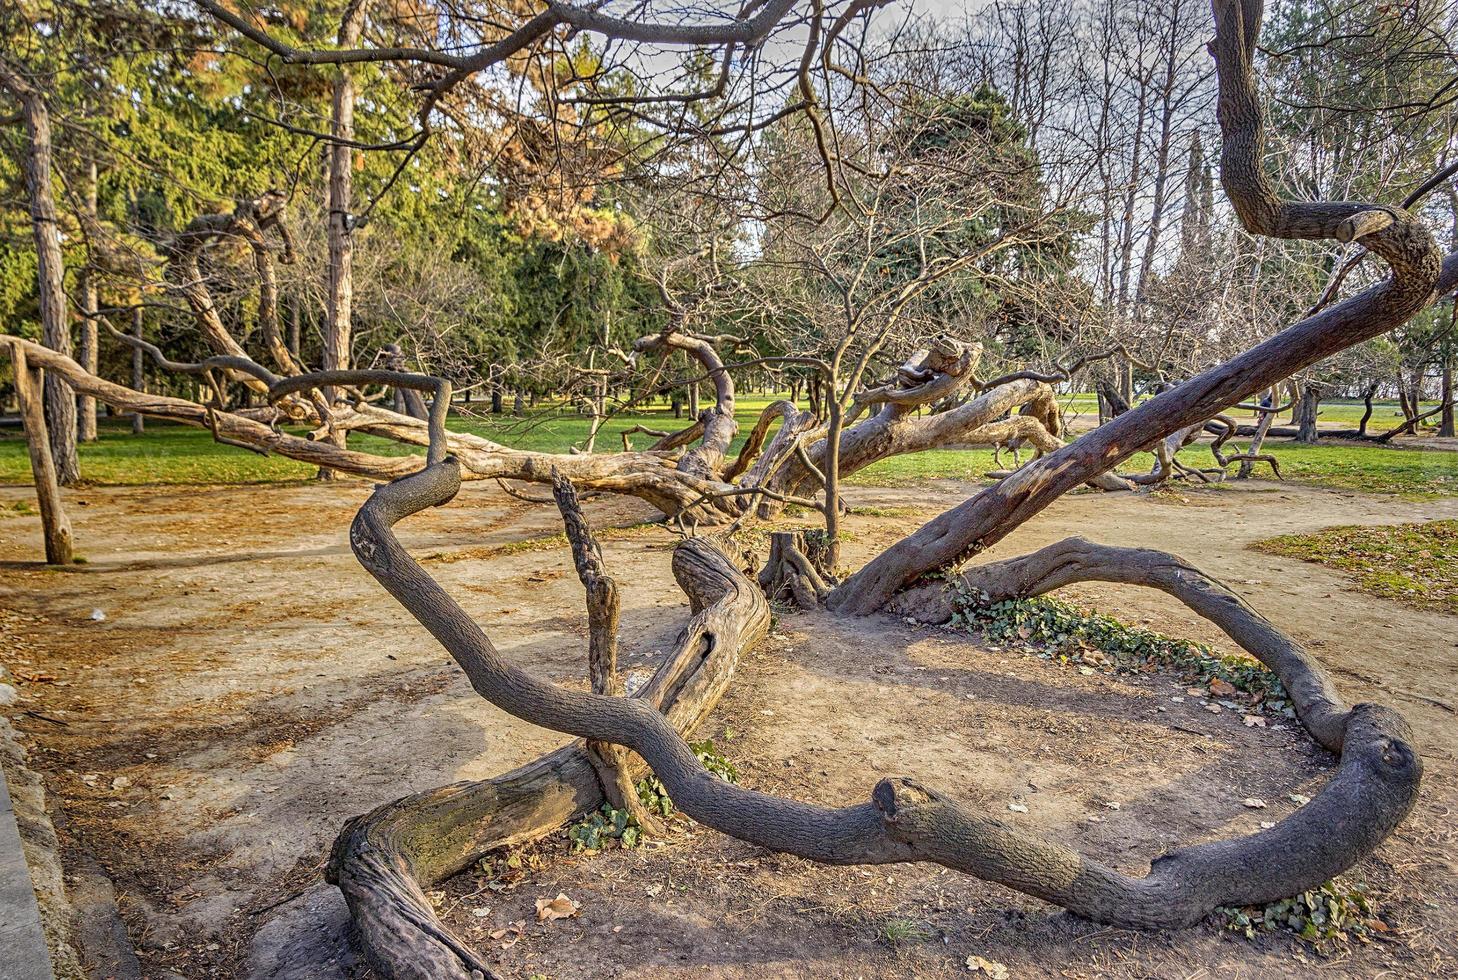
{"type": "Point", "coordinates": [1062, 632]}
{"type": "Point", "coordinates": [1414, 473]}
{"type": "Point", "coordinates": [174, 454]}
{"type": "Point", "coordinates": [899, 932]}
{"type": "Point", "coordinates": [887, 511]}
{"type": "Point", "coordinates": [1413, 563]}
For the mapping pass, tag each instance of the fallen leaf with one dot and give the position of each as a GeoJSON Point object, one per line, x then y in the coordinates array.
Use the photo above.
{"type": "Point", "coordinates": [1017, 808]}
{"type": "Point", "coordinates": [1267, 824]}
{"type": "Point", "coordinates": [481, 912]}
{"type": "Point", "coordinates": [1223, 688]}
{"type": "Point", "coordinates": [1300, 799]}
{"type": "Point", "coordinates": [1254, 803]}
{"type": "Point", "coordinates": [1198, 692]}
{"type": "Point", "coordinates": [560, 907]}
{"type": "Point", "coordinates": [508, 936]}
{"type": "Point", "coordinates": [121, 782]}
{"type": "Point", "coordinates": [1113, 804]}
{"type": "Point", "coordinates": [1254, 721]}
{"type": "Point", "coordinates": [994, 969]}
{"type": "Point", "coordinates": [1214, 709]}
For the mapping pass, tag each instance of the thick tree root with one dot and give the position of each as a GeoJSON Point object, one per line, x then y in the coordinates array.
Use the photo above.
{"type": "Point", "coordinates": [381, 858]}
{"type": "Point", "coordinates": [795, 572]}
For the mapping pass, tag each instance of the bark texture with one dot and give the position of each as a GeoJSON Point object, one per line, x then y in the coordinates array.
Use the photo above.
{"type": "Point", "coordinates": [55, 526]}
{"type": "Point", "coordinates": [382, 859]}
{"type": "Point", "coordinates": [377, 865]}
{"type": "Point", "coordinates": [60, 402]}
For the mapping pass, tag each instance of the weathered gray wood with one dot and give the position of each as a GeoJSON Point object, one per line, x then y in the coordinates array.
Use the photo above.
{"type": "Point", "coordinates": [29, 385]}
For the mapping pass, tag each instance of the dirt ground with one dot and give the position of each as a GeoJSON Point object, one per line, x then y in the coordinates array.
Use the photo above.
{"type": "Point", "coordinates": [249, 688]}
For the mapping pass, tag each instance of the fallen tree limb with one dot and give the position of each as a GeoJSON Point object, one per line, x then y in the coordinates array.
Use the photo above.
{"type": "Point", "coordinates": [380, 859]}
{"type": "Point", "coordinates": [383, 860]}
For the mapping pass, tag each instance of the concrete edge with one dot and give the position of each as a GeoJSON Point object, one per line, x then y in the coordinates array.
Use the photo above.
{"type": "Point", "coordinates": [27, 956]}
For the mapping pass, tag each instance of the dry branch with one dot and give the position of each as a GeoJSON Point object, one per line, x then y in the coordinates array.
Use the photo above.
{"type": "Point", "coordinates": [381, 859]}
{"type": "Point", "coordinates": [29, 392]}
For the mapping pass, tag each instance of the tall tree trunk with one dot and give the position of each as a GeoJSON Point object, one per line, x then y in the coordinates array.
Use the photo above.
{"type": "Point", "coordinates": [1367, 397]}
{"type": "Point", "coordinates": [294, 327]}
{"type": "Point", "coordinates": [60, 402]}
{"type": "Point", "coordinates": [340, 197]}
{"type": "Point", "coordinates": [1131, 190]}
{"type": "Point", "coordinates": [139, 381]}
{"type": "Point", "coordinates": [1445, 427]}
{"type": "Point", "coordinates": [1306, 410]}
{"type": "Point", "coordinates": [1263, 427]}
{"type": "Point", "coordinates": [85, 404]}
{"type": "Point", "coordinates": [1162, 153]}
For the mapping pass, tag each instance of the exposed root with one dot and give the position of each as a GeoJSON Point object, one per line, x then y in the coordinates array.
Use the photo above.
{"type": "Point", "coordinates": [381, 859]}
{"type": "Point", "coordinates": [795, 572]}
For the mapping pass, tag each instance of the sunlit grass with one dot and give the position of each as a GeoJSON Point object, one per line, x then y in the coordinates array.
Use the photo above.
{"type": "Point", "coordinates": [1412, 563]}
{"type": "Point", "coordinates": [174, 454]}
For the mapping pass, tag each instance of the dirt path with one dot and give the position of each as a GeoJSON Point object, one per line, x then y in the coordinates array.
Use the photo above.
{"type": "Point", "coordinates": [250, 687]}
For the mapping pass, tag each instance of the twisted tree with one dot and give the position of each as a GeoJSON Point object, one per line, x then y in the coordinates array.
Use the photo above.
{"type": "Point", "coordinates": [1373, 790]}
{"type": "Point", "coordinates": [384, 860]}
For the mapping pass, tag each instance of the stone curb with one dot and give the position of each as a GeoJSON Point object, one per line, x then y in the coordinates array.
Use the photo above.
{"type": "Point", "coordinates": [25, 954]}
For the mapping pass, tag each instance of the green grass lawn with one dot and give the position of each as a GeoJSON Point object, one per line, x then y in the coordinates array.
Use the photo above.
{"type": "Point", "coordinates": [1345, 412]}
{"type": "Point", "coordinates": [1412, 563]}
{"type": "Point", "coordinates": [174, 454]}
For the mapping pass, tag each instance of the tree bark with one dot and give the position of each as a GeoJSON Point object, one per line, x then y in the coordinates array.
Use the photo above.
{"type": "Point", "coordinates": [1307, 409]}
{"type": "Point", "coordinates": [1367, 396]}
{"type": "Point", "coordinates": [55, 527]}
{"type": "Point", "coordinates": [1263, 429]}
{"type": "Point", "coordinates": [86, 327]}
{"type": "Point", "coordinates": [294, 326]}
{"type": "Point", "coordinates": [339, 299]}
{"type": "Point", "coordinates": [139, 380]}
{"type": "Point", "coordinates": [1445, 426]}
{"type": "Point", "coordinates": [60, 401]}
{"type": "Point", "coordinates": [383, 860]}
{"type": "Point", "coordinates": [377, 861]}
